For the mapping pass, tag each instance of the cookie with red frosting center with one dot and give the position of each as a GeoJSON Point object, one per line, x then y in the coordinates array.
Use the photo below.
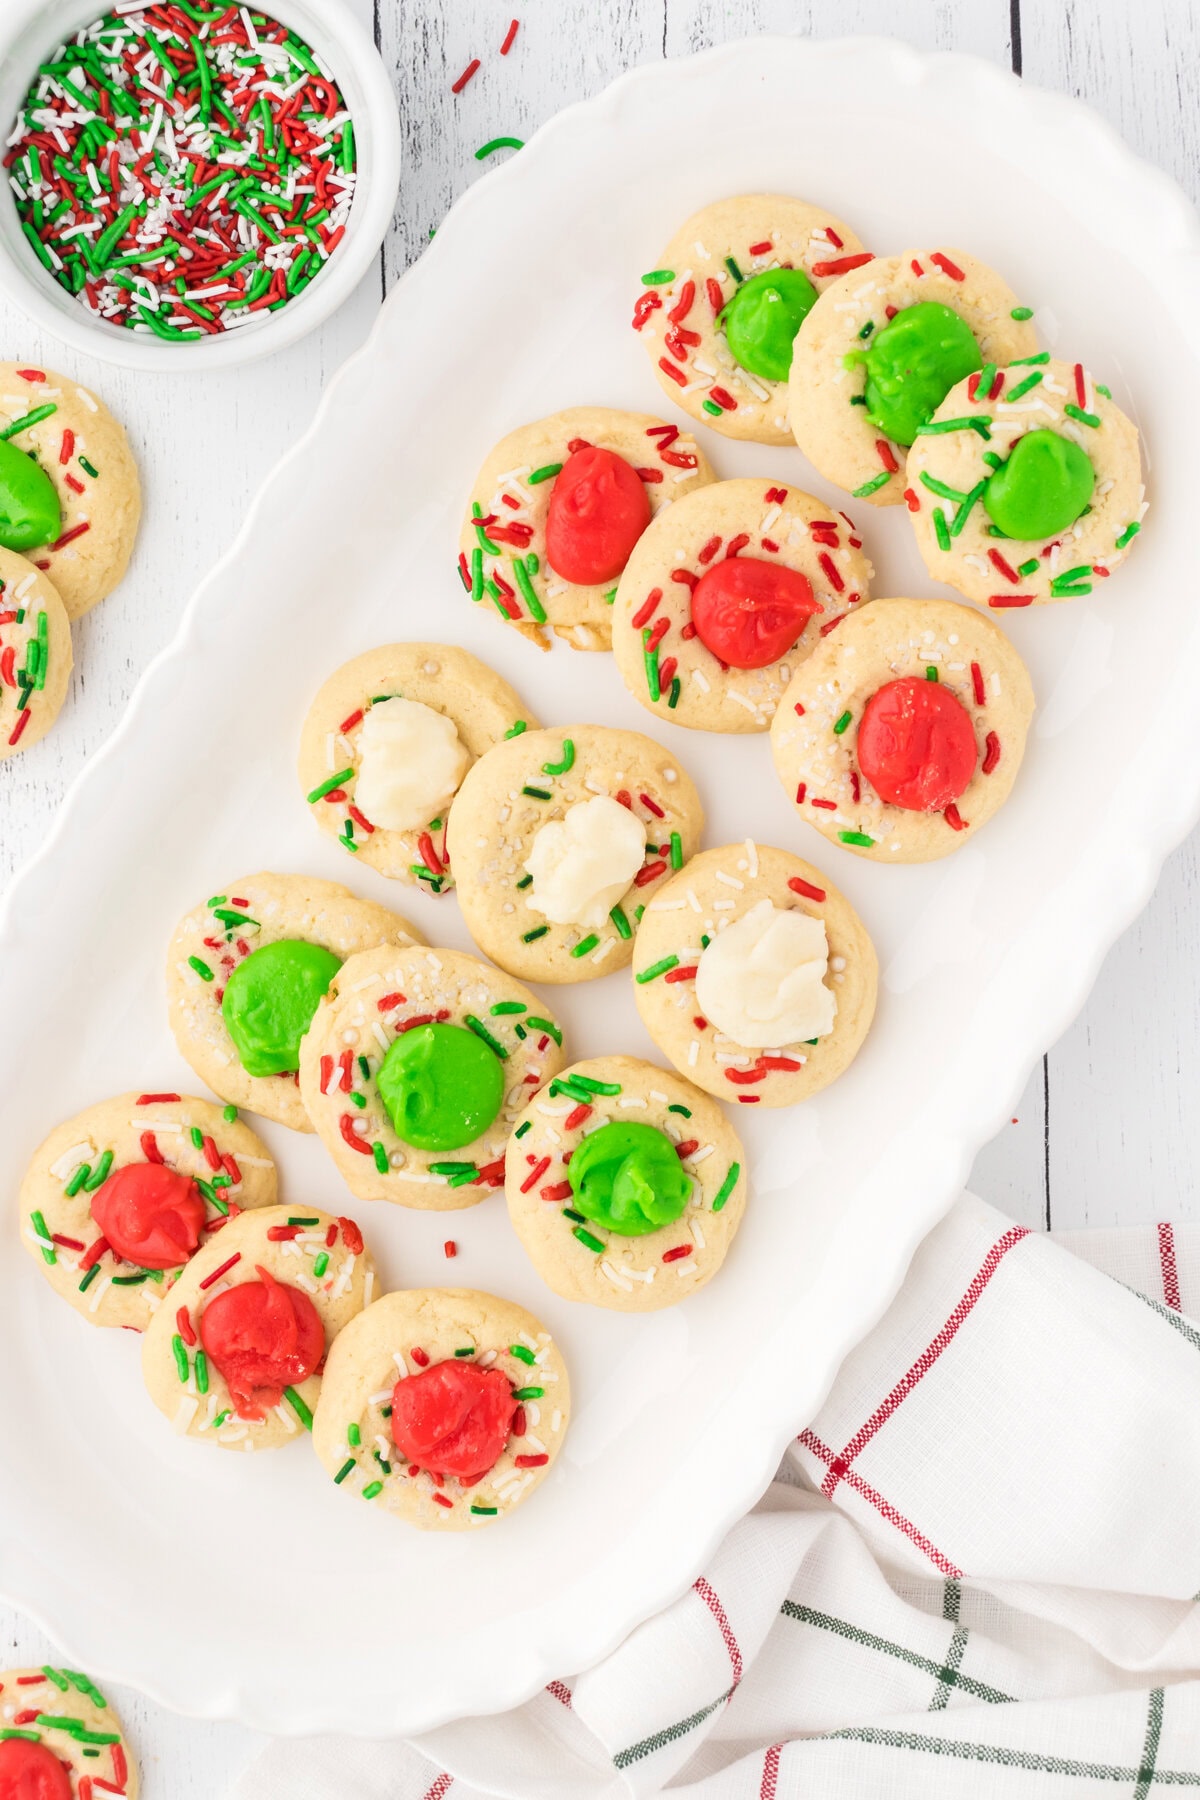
{"type": "Point", "coordinates": [444, 1406]}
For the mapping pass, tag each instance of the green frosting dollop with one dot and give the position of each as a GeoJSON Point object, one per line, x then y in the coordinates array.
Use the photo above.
{"type": "Point", "coordinates": [270, 1000]}
{"type": "Point", "coordinates": [628, 1179]}
{"type": "Point", "coordinates": [29, 510]}
{"type": "Point", "coordinates": [911, 366]}
{"type": "Point", "coordinates": [442, 1086]}
{"type": "Point", "coordinates": [763, 317]}
{"type": "Point", "coordinates": [1042, 488]}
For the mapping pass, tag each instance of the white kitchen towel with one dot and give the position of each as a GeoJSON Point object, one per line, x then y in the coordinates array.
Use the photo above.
{"type": "Point", "coordinates": [974, 1573]}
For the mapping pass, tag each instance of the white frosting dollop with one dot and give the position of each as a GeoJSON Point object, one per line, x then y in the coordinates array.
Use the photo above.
{"type": "Point", "coordinates": [582, 863]}
{"type": "Point", "coordinates": [411, 764]}
{"type": "Point", "coordinates": [761, 980]}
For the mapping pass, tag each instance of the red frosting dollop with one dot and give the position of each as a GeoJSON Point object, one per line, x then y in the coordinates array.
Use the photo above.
{"type": "Point", "coordinates": [750, 613]}
{"type": "Point", "coordinates": [150, 1215]}
{"type": "Point", "coordinates": [916, 745]}
{"type": "Point", "coordinates": [263, 1336]}
{"type": "Point", "coordinates": [30, 1771]}
{"type": "Point", "coordinates": [598, 511]}
{"type": "Point", "coordinates": [453, 1418]}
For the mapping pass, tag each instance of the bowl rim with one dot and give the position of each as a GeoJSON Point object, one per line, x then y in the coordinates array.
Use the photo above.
{"type": "Point", "coordinates": [360, 73]}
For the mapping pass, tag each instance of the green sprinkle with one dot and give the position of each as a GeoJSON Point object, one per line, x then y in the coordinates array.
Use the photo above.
{"type": "Point", "coordinates": [467, 1350]}
{"type": "Point", "coordinates": [1106, 391]}
{"type": "Point", "coordinates": [545, 473]}
{"type": "Point", "coordinates": [676, 1107]}
{"type": "Point", "coordinates": [585, 944]}
{"type": "Point", "coordinates": [586, 1239]}
{"type": "Point", "coordinates": [566, 762]}
{"type": "Point", "coordinates": [476, 583]}
{"type": "Point", "coordinates": [940, 487]}
{"type": "Point", "coordinates": [856, 837]}
{"type": "Point", "coordinates": [1085, 418]}
{"type": "Point", "coordinates": [522, 1352]}
{"type": "Point", "coordinates": [546, 1025]}
{"type": "Point", "coordinates": [526, 1125]}
{"type": "Point", "coordinates": [182, 1365]}
{"type": "Point", "coordinates": [525, 881]}
{"type": "Point", "coordinates": [343, 1471]}
{"type": "Point", "coordinates": [981, 424]}
{"type": "Point", "coordinates": [220, 1419]}
{"type": "Point", "coordinates": [1021, 312]}
{"type": "Point", "coordinates": [353, 1435]}
{"type": "Point", "coordinates": [197, 1137]}
{"type": "Point", "coordinates": [133, 1280]}
{"type": "Point", "coordinates": [1023, 387]}
{"type": "Point", "coordinates": [49, 1254]}
{"type": "Point", "coordinates": [230, 1114]}
{"type": "Point", "coordinates": [731, 265]}
{"type": "Point", "coordinates": [498, 143]}
{"type": "Point", "coordinates": [298, 1406]}
{"type": "Point", "coordinates": [610, 596]}
{"type": "Point", "coordinates": [320, 1265]}
{"type": "Point", "coordinates": [531, 937]}
{"type": "Point", "coordinates": [374, 1487]}
{"type": "Point", "coordinates": [1027, 568]}
{"type": "Point", "coordinates": [517, 729]}
{"type": "Point", "coordinates": [727, 1186]}
{"type": "Point", "coordinates": [1020, 362]}
{"type": "Point", "coordinates": [676, 850]}
{"type": "Point", "coordinates": [1071, 584]}
{"type": "Point", "coordinates": [14, 1731]}
{"type": "Point", "coordinates": [507, 1006]}
{"type": "Point", "coordinates": [657, 277]}
{"type": "Point", "coordinates": [30, 418]}
{"type": "Point", "coordinates": [931, 673]}
{"type": "Point", "coordinates": [451, 1168]}
{"type": "Point", "coordinates": [964, 512]}
{"type": "Point", "coordinates": [536, 793]}
{"type": "Point", "coordinates": [839, 725]}
{"type": "Point", "coordinates": [201, 1372]}
{"type": "Point", "coordinates": [202, 969]}
{"type": "Point", "coordinates": [296, 1219]}
{"type": "Point", "coordinates": [481, 1030]}
{"type": "Point", "coordinates": [529, 1393]}
{"type": "Point", "coordinates": [624, 928]}
{"type": "Point", "coordinates": [60, 1682]}
{"type": "Point", "coordinates": [88, 1279]}
{"type": "Point", "coordinates": [577, 1218]}
{"type": "Point", "coordinates": [986, 377]}
{"type": "Point", "coordinates": [1130, 531]}
{"type": "Point", "coordinates": [676, 690]}
{"type": "Point", "coordinates": [537, 611]}
{"type": "Point", "coordinates": [327, 787]}
{"type": "Point", "coordinates": [657, 969]}
{"type": "Point", "coordinates": [872, 486]}
{"type": "Point", "coordinates": [710, 406]}
{"type": "Point", "coordinates": [991, 459]}
{"type": "Point", "coordinates": [486, 1512]}
{"type": "Point", "coordinates": [650, 659]}
{"type": "Point", "coordinates": [867, 329]}
{"type": "Point", "coordinates": [380, 1156]}
{"type": "Point", "coordinates": [941, 528]}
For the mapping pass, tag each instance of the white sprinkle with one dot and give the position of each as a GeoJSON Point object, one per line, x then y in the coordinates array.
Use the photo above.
{"type": "Point", "coordinates": [185, 1412]}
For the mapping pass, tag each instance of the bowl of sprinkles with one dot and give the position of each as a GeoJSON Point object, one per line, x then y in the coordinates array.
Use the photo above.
{"type": "Point", "coordinates": [191, 182]}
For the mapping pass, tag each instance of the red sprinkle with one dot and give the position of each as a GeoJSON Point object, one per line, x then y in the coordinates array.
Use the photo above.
{"type": "Point", "coordinates": [737, 544]}
{"type": "Point", "coordinates": [66, 449]}
{"type": "Point", "coordinates": [531, 1462]}
{"type": "Point", "coordinates": [716, 298]}
{"type": "Point", "coordinates": [450, 1248]}
{"type": "Point", "coordinates": [68, 1243]}
{"type": "Point", "coordinates": [947, 267]}
{"type": "Point", "coordinates": [775, 496]}
{"type": "Point", "coordinates": [679, 1251]}
{"type": "Point", "coordinates": [32, 374]}
{"type": "Point", "coordinates": [685, 578]}
{"type": "Point", "coordinates": [723, 398]}
{"type": "Point", "coordinates": [644, 305]}
{"type": "Point", "coordinates": [669, 368]}
{"type": "Point", "coordinates": [686, 972]}
{"type": "Point", "coordinates": [745, 1077]}
{"type": "Point", "coordinates": [645, 612]}
{"type": "Point", "coordinates": [709, 550]}
{"type": "Point", "coordinates": [798, 885]}
{"type": "Point", "coordinates": [444, 1500]}
{"type": "Point", "coordinates": [1080, 385]}
{"type": "Point", "coordinates": [22, 721]}
{"type": "Point", "coordinates": [687, 1148]}
{"type": "Point", "coordinates": [649, 474]}
{"type": "Point", "coordinates": [1005, 567]}
{"type": "Point", "coordinates": [832, 572]}
{"type": "Point", "coordinates": [560, 1191]}
{"type": "Point", "coordinates": [68, 537]}
{"type": "Point", "coordinates": [764, 248]}
{"type": "Point", "coordinates": [991, 752]}
{"type": "Point", "coordinates": [519, 1422]}
{"type": "Point", "coordinates": [212, 1155]}
{"type": "Point", "coordinates": [93, 1253]}
{"type": "Point", "coordinates": [886, 457]}
{"type": "Point", "coordinates": [800, 793]}
{"type": "Point", "coordinates": [576, 1118]}
{"type": "Point", "coordinates": [420, 1358]}
{"type": "Point", "coordinates": [281, 1234]}
{"type": "Point", "coordinates": [349, 724]}
{"type": "Point", "coordinates": [223, 1270]}
{"type": "Point", "coordinates": [1010, 600]}
{"type": "Point", "coordinates": [183, 1324]}
{"type": "Point", "coordinates": [977, 684]}
{"type": "Point", "coordinates": [650, 872]}
{"type": "Point", "coordinates": [661, 628]}
{"type": "Point", "coordinates": [466, 75]}
{"type": "Point", "coordinates": [954, 818]}
{"type": "Point", "coordinates": [350, 1136]}
{"type": "Point", "coordinates": [535, 1174]}
{"type": "Point", "coordinates": [509, 35]}
{"type": "Point", "coordinates": [429, 855]}
{"type": "Point", "coordinates": [390, 1001]}
{"type": "Point", "coordinates": [150, 1149]}
{"type": "Point", "coordinates": [652, 806]}
{"type": "Point", "coordinates": [829, 805]}
{"type": "Point", "coordinates": [841, 265]}
{"type": "Point", "coordinates": [155, 1099]}
{"type": "Point", "coordinates": [683, 305]}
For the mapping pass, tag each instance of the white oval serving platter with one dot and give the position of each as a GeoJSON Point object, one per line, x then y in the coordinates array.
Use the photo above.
{"type": "Point", "coordinates": [251, 1587]}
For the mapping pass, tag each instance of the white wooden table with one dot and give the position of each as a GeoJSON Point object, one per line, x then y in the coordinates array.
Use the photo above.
{"type": "Point", "coordinates": [1106, 1131]}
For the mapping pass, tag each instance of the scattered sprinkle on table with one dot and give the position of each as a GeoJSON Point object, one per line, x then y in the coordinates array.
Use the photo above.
{"type": "Point", "coordinates": [183, 168]}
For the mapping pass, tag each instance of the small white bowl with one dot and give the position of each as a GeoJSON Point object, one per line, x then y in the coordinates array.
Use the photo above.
{"type": "Point", "coordinates": [30, 30]}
